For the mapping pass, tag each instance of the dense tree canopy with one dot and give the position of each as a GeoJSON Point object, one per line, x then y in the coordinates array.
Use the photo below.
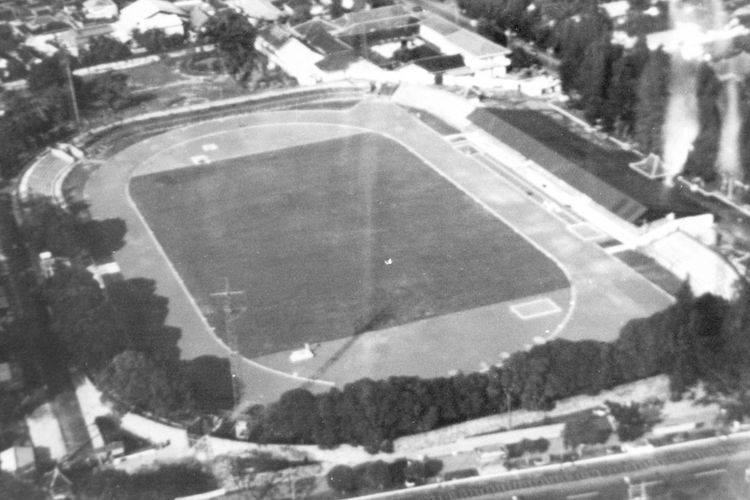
{"type": "Point", "coordinates": [703, 338]}
{"type": "Point", "coordinates": [138, 381]}
{"type": "Point", "coordinates": [234, 36]}
{"type": "Point", "coordinates": [165, 483]}
{"type": "Point", "coordinates": [103, 49]}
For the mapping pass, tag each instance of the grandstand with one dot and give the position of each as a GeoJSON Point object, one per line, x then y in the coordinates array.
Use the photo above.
{"type": "Point", "coordinates": [45, 176]}
{"type": "Point", "coordinates": [604, 175]}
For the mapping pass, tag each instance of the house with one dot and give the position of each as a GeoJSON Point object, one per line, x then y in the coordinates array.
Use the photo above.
{"type": "Point", "coordinates": [200, 14]}
{"type": "Point", "coordinates": [485, 58]}
{"type": "Point", "coordinates": [52, 37]}
{"type": "Point", "coordinates": [374, 26]}
{"type": "Point", "coordinates": [616, 11]}
{"type": "Point", "coordinates": [17, 460]}
{"type": "Point", "coordinates": [100, 9]}
{"type": "Point", "coordinates": [144, 15]}
{"type": "Point", "coordinates": [290, 54]}
{"type": "Point", "coordinates": [257, 9]}
{"type": "Point", "coordinates": [318, 35]}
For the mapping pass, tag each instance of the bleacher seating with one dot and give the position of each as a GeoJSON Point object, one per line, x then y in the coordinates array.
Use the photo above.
{"type": "Point", "coordinates": [44, 176]}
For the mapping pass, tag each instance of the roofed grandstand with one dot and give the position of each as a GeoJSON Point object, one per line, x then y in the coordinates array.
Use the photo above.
{"type": "Point", "coordinates": [602, 174]}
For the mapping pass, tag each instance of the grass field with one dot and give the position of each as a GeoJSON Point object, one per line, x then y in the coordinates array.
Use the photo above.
{"type": "Point", "coordinates": [335, 238]}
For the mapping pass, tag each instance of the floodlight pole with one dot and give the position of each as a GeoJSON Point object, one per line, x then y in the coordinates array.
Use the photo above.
{"type": "Point", "coordinates": [229, 315]}
{"type": "Point", "coordinates": [71, 88]}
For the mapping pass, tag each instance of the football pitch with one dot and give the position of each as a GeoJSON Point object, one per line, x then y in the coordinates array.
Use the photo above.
{"type": "Point", "coordinates": [335, 238]}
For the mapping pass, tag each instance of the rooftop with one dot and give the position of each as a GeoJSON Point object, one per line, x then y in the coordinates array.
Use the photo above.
{"type": "Point", "coordinates": [439, 64]}
{"type": "Point", "coordinates": [274, 35]}
{"type": "Point", "coordinates": [319, 38]}
{"type": "Point", "coordinates": [439, 25]}
{"type": "Point", "coordinates": [475, 44]}
{"type": "Point", "coordinates": [365, 16]}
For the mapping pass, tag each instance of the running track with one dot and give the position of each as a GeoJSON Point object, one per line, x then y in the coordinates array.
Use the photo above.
{"type": "Point", "coordinates": [604, 293]}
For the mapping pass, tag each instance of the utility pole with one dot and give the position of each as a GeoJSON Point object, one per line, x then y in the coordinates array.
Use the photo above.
{"type": "Point", "coordinates": [69, 76]}
{"type": "Point", "coordinates": [230, 314]}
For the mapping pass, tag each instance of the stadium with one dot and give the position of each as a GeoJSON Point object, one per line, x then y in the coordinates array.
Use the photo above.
{"type": "Point", "coordinates": [357, 236]}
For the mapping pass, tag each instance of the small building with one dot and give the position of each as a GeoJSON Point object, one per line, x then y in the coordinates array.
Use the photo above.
{"type": "Point", "coordinates": [100, 10]}
{"type": "Point", "coordinates": [85, 34]}
{"type": "Point", "coordinates": [370, 27]}
{"type": "Point", "coordinates": [10, 376]}
{"type": "Point", "coordinates": [51, 37]}
{"type": "Point", "coordinates": [318, 35]}
{"type": "Point", "coordinates": [487, 59]}
{"type": "Point", "coordinates": [262, 10]}
{"type": "Point", "coordinates": [145, 15]}
{"type": "Point", "coordinates": [616, 11]}
{"type": "Point", "coordinates": [290, 54]}
{"type": "Point", "coordinates": [17, 460]}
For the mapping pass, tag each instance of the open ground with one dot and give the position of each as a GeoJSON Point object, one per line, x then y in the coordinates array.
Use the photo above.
{"type": "Point", "coordinates": [604, 293]}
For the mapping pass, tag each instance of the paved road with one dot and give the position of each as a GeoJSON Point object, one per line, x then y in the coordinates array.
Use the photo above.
{"type": "Point", "coordinates": [604, 294]}
{"type": "Point", "coordinates": [602, 479]}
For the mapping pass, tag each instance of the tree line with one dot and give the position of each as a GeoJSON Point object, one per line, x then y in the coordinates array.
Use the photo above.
{"type": "Point", "coordinates": [44, 112]}
{"type": "Point", "coordinates": [624, 91]}
{"type": "Point", "coordinates": [698, 338]}
{"type": "Point", "coordinates": [117, 334]}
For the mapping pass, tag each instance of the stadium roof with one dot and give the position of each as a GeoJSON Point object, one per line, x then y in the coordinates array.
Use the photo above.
{"type": "Point", "coordinates": [600, 173]}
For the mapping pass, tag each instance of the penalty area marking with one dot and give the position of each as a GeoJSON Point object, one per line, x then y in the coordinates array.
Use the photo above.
{"type": "Point", "coordinates": [535, 308]}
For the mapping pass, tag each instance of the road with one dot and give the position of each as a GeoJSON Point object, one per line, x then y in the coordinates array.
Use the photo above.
{"type": "Point", "coordinates": [681, 466]}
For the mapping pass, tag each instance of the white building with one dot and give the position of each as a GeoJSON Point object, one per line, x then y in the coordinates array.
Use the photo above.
{"type": "Point", "coordinates": [144, 15]}
{"type": "Point", "coordinates": [291, 55]}
{"type": "Point", "coordinates": [100, 9]}
{"type": "Point", "coordinates": [17, 460]}
{"type": "Point", "coordinates": [257, 9]}
{"type": "Point", "coordinates": [485, 58]}
{"type": "Point", "coordinates": [617, 11]}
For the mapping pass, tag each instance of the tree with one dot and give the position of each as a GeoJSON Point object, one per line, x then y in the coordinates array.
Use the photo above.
{"type": "Point", "coordinates": [373, 476]}
{"type": "Point", "coordinates": [12, 488]}
{"type": "Point", "coordinates": [336, 9]}
{"type": "Point", "coordinates": [156, 41]}
{"type": "Point", "coordinates": [620, 110]}
{"type": "Point", "coordinates": [234, 37]}
{"type": "Point", "coordinates": [294, 419]}
{"type": "Point", "coordinates": [165, 483]}
{"type": "Point", "coordinates": [586, 429]}
{"type": "Point", "coordinates": [653, 94]}
{"type": "Point", "coordinates": [104, 49]}
{"type": "Point", "coordinates": [342, 479]}
{"type": "Point", "coordinates": [631, 425]}
{"type": "Point", "coordinates": [138, 381]}
{"type": "Point", "coordinates": [702, 159]}
{"type": "Point", "coordinates": [109, 91]}
{"type": "Point", "coordinates": [209, 381]}
{"type": "Point", "coordinates": [141, 314]}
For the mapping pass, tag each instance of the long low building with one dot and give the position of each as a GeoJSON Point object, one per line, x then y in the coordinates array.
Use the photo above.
{"type": "Point", "coordinates": [485, 58]}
